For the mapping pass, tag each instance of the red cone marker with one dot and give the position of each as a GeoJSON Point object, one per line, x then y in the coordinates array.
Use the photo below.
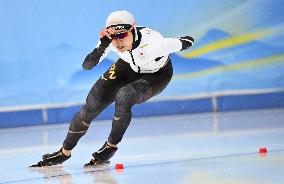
{"type": "Point", "coordinates": [262, 150]}
{"type": "Point", "coordinates": [119, 166]}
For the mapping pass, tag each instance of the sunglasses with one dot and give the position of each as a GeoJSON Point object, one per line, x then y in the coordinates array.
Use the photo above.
{"type": "Point", "coordinates": [119, 35]}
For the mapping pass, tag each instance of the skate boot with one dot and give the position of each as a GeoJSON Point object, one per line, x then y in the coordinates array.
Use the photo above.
{"type": "Point", "coordinates": [102, 156]}
{"type": "Point", "coordinates": [52, 159]}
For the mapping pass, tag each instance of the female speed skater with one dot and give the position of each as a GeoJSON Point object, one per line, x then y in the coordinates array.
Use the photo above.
{"type": "Point", "coordinates": [143, 70]}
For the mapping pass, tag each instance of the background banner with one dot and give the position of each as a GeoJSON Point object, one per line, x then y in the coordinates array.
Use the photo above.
{"type": "Point", "coordinates": [239, 46]}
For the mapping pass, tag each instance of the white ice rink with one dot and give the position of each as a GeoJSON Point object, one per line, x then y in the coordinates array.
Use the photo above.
{"type": "Point", "coordinates": [196, 149]}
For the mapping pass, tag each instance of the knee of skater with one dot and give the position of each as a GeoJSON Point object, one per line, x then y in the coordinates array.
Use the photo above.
{"type": "Point", "coordinates": [125, 97]}
{"type": "Point", "coordinates": [78, 123]}
{"type": "Point", "coordinates": [115, 139]}
{"type": "Point", "coordinates": [82, 114]}
{"type": "Point", "coordinates": [86, 115]}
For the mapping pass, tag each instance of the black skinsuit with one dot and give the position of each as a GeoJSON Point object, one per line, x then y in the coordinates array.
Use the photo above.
{"type": "Point", "coordinates": [127, 82]}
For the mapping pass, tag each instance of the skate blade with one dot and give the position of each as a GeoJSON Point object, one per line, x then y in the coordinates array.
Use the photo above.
{"type": "Point", "coordinates": [94, 163]}
{"type": "Point", "coordinates": [39, 164]}
{"type": "Point", "coordinates": [42, 164]}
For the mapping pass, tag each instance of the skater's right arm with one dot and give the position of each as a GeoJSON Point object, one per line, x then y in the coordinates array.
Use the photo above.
{"type": "Point", "coordinates": [99, 53]}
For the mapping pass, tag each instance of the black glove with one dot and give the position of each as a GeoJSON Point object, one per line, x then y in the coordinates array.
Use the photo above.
{"type": "Point", "coordinates": [105, 41]}
{"type": "Point", "coordinates": [186, 41]}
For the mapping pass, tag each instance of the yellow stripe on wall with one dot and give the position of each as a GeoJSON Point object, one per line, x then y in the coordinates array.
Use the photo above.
{"type": "Point", "coordinates": [228, 42]}
{"type": "Point", "coordinates": [238, 66]}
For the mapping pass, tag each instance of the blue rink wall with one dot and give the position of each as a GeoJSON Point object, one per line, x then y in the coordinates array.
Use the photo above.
{"type": "Point", "coordinates": [214, 103]}
{"type": "Point", "coordinates": [236, 62]}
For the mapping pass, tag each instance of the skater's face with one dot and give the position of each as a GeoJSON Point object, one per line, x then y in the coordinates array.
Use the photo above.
{"type": "Point", "coordinates": [122, 40]}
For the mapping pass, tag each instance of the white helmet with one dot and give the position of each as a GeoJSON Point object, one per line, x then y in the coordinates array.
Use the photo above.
{"type": "Point", "coordinates": [120, 20]}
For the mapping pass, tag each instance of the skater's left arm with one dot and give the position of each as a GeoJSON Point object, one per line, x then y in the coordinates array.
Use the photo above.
{"type": "Point", "coordinates": [163, 46]}
{"type": "Point", "coordinates": [100, 52]}
{"type": "Point", "coordinates": [178, 44]}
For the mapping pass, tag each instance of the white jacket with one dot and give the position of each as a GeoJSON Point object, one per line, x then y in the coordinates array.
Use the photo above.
{"type": "Point", "coordinates": [151, 50]}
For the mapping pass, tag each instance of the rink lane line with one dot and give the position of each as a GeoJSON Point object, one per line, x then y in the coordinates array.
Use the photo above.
{"type": "Point", "coordinates": [138, 166]}
{"type": "Point", "coordinates": [255, 131]}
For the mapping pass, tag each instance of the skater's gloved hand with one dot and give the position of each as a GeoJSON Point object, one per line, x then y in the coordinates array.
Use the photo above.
{"type": "Point", "coordinates": [105, 41]}
{"type": "Point", "coordinates": [187, 38]}
{"type": "Point", "coordinates": [105, 37]}
{"type": "Point", "coordinates": [186, 41]}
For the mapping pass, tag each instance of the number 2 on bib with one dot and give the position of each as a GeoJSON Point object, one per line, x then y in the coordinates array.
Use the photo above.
{"type": "Point", "coordinates": [112, 72]}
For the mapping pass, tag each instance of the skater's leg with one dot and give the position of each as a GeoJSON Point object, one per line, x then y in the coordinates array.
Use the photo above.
{"type": "Point", "coordinates": [127, 96]}
{"type": "Point", "coordinates": [96, 102]}
{"type": "Point", "coordinates": [136, 92]}
{"type": "Point", "coordinates": [101, 95]}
